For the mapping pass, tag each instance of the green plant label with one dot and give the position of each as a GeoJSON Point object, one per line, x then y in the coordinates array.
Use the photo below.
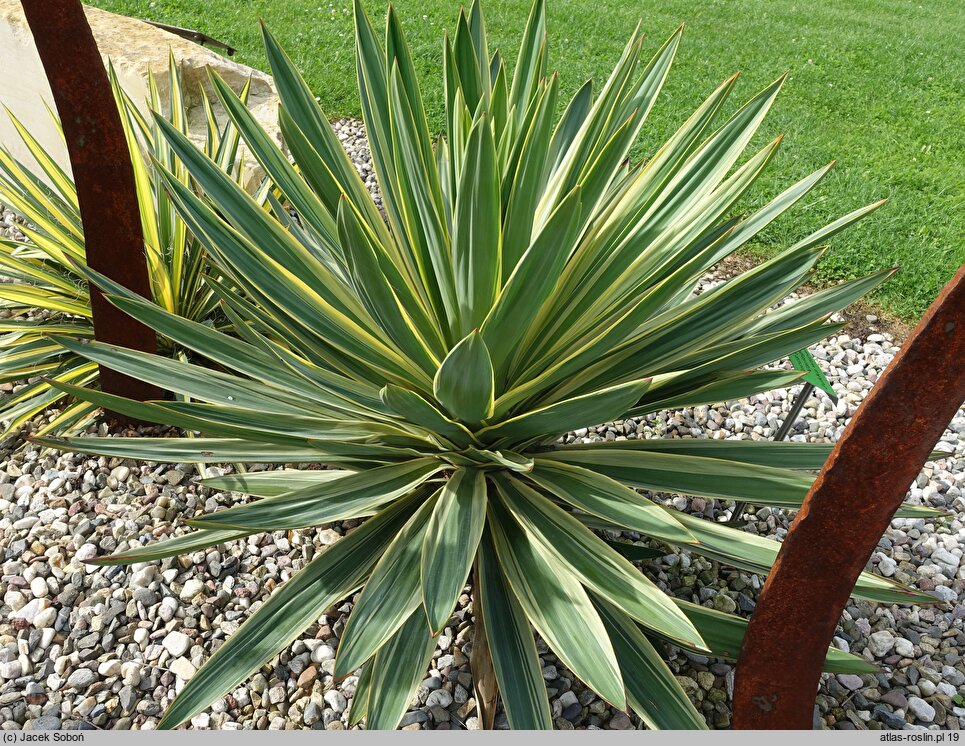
{"type": "Point", "coordinates": [804, 360]}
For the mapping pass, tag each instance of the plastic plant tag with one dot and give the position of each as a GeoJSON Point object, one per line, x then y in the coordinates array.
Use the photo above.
{"type": "Point", "coordinates": [804, 360]}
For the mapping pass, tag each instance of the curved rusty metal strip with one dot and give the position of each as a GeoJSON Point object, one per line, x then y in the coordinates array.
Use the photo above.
{"type": "Point", "coordinates": [101, 165]}
{"type": "Point", "coordinates": [844, 515]}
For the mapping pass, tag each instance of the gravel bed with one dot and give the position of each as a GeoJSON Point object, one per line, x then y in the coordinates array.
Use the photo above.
{"type": "Point", "coordinates": [84, 647]}
{"type": "Point", "coordinates": [10, 225]}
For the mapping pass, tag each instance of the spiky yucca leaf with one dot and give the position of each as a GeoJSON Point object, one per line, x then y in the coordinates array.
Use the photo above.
{"type": "Point", "coordinates": [42, 267]}
{"type": "Point", "coordinates": [521, 283]}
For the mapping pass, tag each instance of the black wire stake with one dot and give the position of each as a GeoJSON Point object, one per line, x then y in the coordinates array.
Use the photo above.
{"type": "Point", "coordinates": [803, 395]}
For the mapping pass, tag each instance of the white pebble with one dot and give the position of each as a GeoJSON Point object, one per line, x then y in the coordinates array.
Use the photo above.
{"type": "Point", "coordinates": [38, 587]}
{"type": "Point", "coordinates": [45, 618]}
{"type": "Point", "coordinates": [191, 589]}
{"type": "Point", "coordinates": [176, 643]}
{"type": "Point", "coordinates": [86, 552]}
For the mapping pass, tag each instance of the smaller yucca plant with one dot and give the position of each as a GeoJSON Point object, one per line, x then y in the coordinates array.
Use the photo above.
{"type": "Point", "coordinates": [48, 296]}
{"type": "Point", "coordinates": [522, 282]}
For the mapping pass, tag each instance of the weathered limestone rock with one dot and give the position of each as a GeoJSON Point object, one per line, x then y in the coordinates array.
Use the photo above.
{"type": "Point", "coordinates": [134, 48]}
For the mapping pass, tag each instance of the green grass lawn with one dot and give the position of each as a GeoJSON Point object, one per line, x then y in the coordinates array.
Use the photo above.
{"type": "Point", "coordinates": [878, 85]}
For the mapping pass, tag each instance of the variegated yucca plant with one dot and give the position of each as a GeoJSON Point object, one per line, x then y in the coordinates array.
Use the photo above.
{"type": "Point", "coordinates": [43, 265]}
{"type": "Point", "coordinates": [523, 281]}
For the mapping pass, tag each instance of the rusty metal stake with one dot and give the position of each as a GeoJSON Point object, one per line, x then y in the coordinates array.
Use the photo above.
{"type": "Point", "coordinates": [844, 515]}
{"type": "Point", "coordinates": [101, 164]}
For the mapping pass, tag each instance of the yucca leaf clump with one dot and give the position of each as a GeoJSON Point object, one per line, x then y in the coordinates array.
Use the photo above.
{"type": "Point", "coordinates": [523, 281]}
{"type": "Point", "coordinates": [43, 266]}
